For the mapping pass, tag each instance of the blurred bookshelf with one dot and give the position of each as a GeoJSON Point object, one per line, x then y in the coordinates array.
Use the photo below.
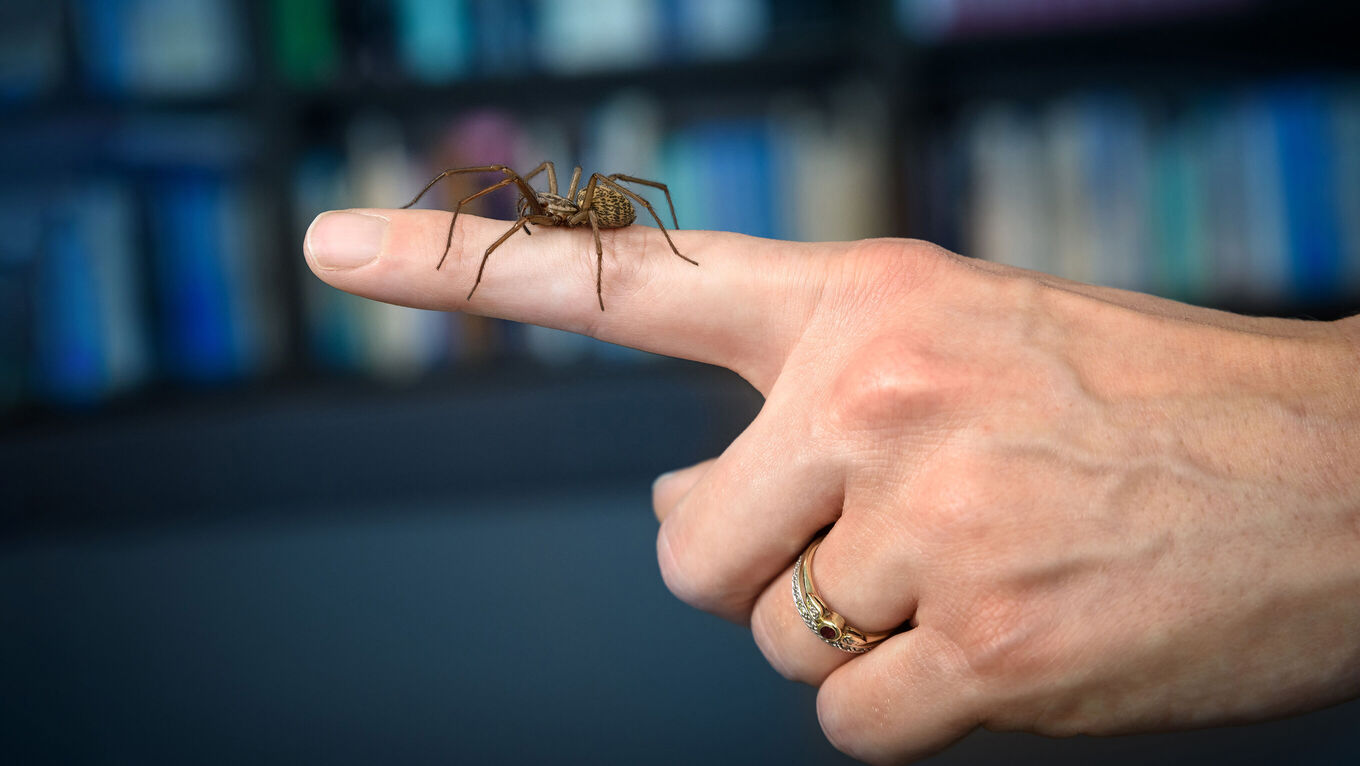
{"type": "Point", "coordinates": [161, 159]}
{"type": "Point", "coordinates": [1203, 151]}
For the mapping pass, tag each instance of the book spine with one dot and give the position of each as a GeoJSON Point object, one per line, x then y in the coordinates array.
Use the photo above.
{"type": "Point", "coordinates": [306, 41]}
{"type": "Point", "coordinates": [196, 330]}
{"type": "Point", "coordinates": [1309, 192]}
{"type": "Point", "coordinates": [1264, 216]}
{"type": "Point", "coordinates": [435, 39]}
{"type": "Point", "coordinates": [1346, 148]}
{"type": "Point", "coordinates": [70, 361]}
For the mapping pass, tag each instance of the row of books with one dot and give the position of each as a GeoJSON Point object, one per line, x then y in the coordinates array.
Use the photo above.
{"type": "Point", "coordinates": [148, 272]}
{"type": "Point", "coordinates": [114, 282]}
{"type": "Point", "coordinates": [1244, 198]}
{"type": "Point", "coordinates": [952, 19]}
{"type": "Point", "coordinates": [175, 48]}
{"type": "Point", "coordinates": [161, 266]}
{"type": "Point", "coordinates": [195, 47]}
{"type": "Point", "coordinates": [441, 41]}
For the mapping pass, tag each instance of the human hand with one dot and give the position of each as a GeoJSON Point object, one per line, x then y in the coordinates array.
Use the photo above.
{"type": "Point", "coordinates": [1102, 512]}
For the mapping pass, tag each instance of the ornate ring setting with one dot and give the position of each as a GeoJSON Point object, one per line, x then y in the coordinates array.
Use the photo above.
{"type": "Point", "coordinates": [829, 626]}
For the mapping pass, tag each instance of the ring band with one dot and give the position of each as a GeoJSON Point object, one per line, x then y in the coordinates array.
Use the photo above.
{"type": "Point", "coordinates": [829, 626]}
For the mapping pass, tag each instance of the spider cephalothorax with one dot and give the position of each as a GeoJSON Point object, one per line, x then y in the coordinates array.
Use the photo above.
{"type": "Point", "coordinates": [602, 204]}
{"type": "Point", "coordinates": [612, 210]}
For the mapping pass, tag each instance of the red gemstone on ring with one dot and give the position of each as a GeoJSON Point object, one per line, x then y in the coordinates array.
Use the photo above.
{"type": "Point", "coordinates": [827, 632]}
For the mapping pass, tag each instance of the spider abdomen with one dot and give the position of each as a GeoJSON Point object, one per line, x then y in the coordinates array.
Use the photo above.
{"type": "Point", "coordinates": [612, 210]}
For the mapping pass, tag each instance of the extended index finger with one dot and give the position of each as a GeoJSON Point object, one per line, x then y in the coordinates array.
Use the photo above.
{"type": "Point", "coordinates": [742, 307]}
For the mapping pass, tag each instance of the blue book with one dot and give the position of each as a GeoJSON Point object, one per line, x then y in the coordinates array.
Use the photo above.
{"type": "Point", "coordinates": [737, 160]}
{"type": "Point", "coordinates": [1346, 143]}
{"type": "Point", "coordinates": [1266, 237]}
{"type": "Point", "coordinates": [197, 333]}
{"type": "Point", "coordinates": [503, 35]}
{"type": "Point", "coordinates": [88, 321]}
{"type": "Point", "coordinates": [680, 166]}
{"type": "Point", "coordinates": [602, 34]}
{"type": "Point", "coordinates": [99, 32]}
{"type": "Point", "coordinates": [179, 47]}
{"type": "Point", "coordinates": [108, 223]}
{"type": "Point", "coordinates": [1197, 270]}
{"type": "Point", "coordinates": [1176, 215]}
{"type": "Point", "coordinates": [1302, 123]}
{"type": "Point", "coordinates": [69, 356]}
{"type": "Point", "coordinates": [1117, 148]}
{"type": "Point", "coordinates": [719, 28]}
{"type": "Point", "coordinates": [435, 39]}
{"type": "Point", "coordinates": [1224, 202]}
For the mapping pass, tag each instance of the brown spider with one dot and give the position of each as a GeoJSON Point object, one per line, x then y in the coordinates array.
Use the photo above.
{"type": "Point", "coordinates": [603, 204]}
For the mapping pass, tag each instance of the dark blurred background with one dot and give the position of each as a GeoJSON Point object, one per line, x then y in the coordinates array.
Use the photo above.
{"type": "Point", "coordinates": [246, 518]}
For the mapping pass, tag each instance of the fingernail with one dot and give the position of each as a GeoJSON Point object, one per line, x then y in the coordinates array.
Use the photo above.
{"type": "Point", "coordinates": [344, 239]}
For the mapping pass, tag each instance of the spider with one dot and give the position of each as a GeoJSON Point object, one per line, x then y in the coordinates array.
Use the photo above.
{"type": "Point", "coordinates": [603, 204]}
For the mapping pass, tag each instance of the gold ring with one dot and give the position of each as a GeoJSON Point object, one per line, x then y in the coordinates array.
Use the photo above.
{"type": "Point", "coordinates": [829, 626]}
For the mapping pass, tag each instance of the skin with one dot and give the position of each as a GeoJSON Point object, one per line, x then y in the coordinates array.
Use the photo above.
{"type": "Point", "coordinates": [1103, 512]}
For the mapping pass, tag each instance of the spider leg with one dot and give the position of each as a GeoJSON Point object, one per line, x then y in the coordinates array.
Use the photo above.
{"type": "Point", "coordinates": [587, 199]}
{"type": "Point", "coordinates": [524, 187]}
{"type": "Point", "coordinates": [654, 185]}
{"type": "Point", "coordinates": [599, 258]}
{"type": "Point", "coordinates": [448, 243]}
{"type": "Point", "coordinates": [552, 175]}
{"type": "Point", "coordinates": [487, 254]}
{"type": "Point", "coordinates": [638, 199]}
{"type": "Point", "coordinates": [575, 179]}
{"type": "Point", "coordinates": [537, 220]}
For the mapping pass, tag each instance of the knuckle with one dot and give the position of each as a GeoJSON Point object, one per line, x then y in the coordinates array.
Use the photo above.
{"type": "Point", "coordinates": [831, 718]}
{"type": "Point", "coordinates": [874, 271]}
{"type": "Point", "coordinates": [765, 630]}
{"type": "Point", "coordinates": [910, 707]}
{"type": "Point", "coordinates": [688, 575]}
{"type": "Point", "coordinates": [886, 382]}
{"type": "Point", "coordinates": [454, 244]}
{"type": "Point", "coordinates": [626, 257]}
{"type": "Point", "coordinates": [989, 645]}
{"type": "Point", "coordinates": [947, 522]}
{"type": "Point", "coordinates": [1008, 645]}
{"type": "Point", "coordinates": [843, 726]}
{"type": "Point", "coordinates": [955, 505]}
